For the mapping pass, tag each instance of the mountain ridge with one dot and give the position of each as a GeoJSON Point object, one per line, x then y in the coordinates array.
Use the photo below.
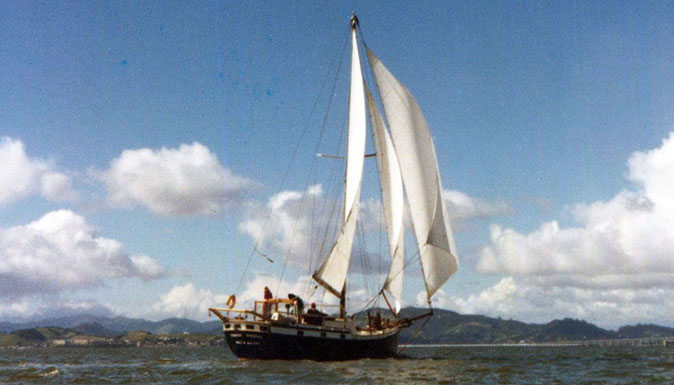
{"type": "Point", "coordinates": [445, 327]}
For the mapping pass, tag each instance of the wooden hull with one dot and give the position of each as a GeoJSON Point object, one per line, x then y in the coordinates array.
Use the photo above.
{"type": "Point", "coordinates": [264, 341]}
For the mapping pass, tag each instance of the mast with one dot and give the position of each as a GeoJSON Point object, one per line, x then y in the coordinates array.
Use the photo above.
{"type": "Point", "coordinates": [332, 273]}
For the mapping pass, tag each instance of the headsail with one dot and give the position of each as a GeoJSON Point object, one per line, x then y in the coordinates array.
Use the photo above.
{"type": "Point", "coordinates": [332, 273]}
{"type": "Point", "coordinates": [391, 184]}
{"type": "Point", "coordinates": [419, 167]}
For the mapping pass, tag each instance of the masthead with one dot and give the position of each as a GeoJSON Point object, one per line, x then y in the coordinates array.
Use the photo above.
{"type": "Point", "coordinates": [354, 20]}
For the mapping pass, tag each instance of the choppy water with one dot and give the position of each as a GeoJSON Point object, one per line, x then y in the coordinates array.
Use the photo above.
{"type": "Point", "coordinates": [440, 365]}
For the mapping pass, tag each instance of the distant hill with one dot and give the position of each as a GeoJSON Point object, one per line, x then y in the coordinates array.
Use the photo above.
{"type": "Point", "coordinates": [35, 336]}
{"type": "Point", "coordinates": [571, 330]}
{"type": "Point", "coordinates": [448, 327]}
{"type": "Point", "coordinates": [56, 336]}
{"type": "Point", "coordinates": [94, 329]}
{"type": "Point", "coordinates": [445, 327]}
{"type": "Point", "coordinates": [108, 327]}
{"type": "Point", "coordinates": [645, 331]}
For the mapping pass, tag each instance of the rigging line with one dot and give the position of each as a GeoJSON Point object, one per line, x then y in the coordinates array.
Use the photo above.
{"type": "Point", "coordinates": [333, 169]}
{"type": "Point", "coordinates": [368, 78]}
{"type": "Point", "coordinates": [379, 243]}
{"type": "Point", "coordinates": [328, 206]}
{"type": "Point", "coordinates": [415, 335]}
{"type": "Point", "coordinates": [332, 192]}
{"type": "Point", "coordinates": [410, 261]}
{"type": "Point", "coordinates": [332, 188]}
{"type": "Point", "coordinates": [311, 233]}
{"type": "Point", "coordinates": [366, 268]}
{"type": "Point", "coordinates": [321, 134]}
{"type": "Point", "coordinates": [292, 160]}
{"type": "Point", "coordinates": [365, 301]}
{"type": "Point", "coordinates": [369, 302]}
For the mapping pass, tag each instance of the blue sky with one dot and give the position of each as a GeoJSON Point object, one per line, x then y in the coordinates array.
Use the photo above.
{"type": "Point", "coordinates": [542, 113]}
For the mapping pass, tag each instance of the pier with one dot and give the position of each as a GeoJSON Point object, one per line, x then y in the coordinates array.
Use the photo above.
{"type": "Point", "coordinates": [655, 341]}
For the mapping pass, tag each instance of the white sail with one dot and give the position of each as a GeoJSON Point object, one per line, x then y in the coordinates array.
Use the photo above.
{"type": "Point", "coordinates": [333, 271]}
{"type": "Point", "coordinates": [391, 184]}
{"type": "Point", "coordinates": [419, 167]}
{"type": "Point", "coordinates": [355, 149]}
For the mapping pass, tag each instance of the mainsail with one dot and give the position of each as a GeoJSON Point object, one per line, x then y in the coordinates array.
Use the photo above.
{"type": "Point", "coordinates": [419, 167]}
{"type": "Point", "coordinates": [332, 273]}
{"type": "Point", "coordinates": [391, 184]}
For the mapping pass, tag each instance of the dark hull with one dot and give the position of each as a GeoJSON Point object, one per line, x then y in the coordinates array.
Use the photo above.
{"type": "Point", "coordinates": [270, 345]}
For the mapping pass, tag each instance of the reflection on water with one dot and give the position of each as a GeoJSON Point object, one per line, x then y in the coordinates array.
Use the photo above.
{"type": "Point", "coordinates": [440, 365]}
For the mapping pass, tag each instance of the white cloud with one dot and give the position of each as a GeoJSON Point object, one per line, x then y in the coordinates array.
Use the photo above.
{"type": "Point", "coordinates": [255, 288]}
{"type": "Point", "coordinates": [61, 251]}
{"type": "Point", "coordinates": [305, 287]}
{"type": "Point", "coordinates": [293, 223]}
{"type": "Point", "coordinates": [463, 207]}
{"type": "Point", "coordinates": [23, 176]}
{"type": "Point", "coordinates": [528, 301]}
{"type": "Point", "coordinates": [56, 187]}
{"type": "Point", "coordinates": [288, 224]}
{"type": "Point", "coordinates": [49, 306]}
{"type": "Point", "coordinates": [189, 180]}
{"type": "Point", "coordinates": [627, 241]}
{"type": "Point", "coordinates": [186, 302]}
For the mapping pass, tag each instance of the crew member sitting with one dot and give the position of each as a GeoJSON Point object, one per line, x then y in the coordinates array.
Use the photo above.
{"type": "Point", "coordinates": [314, 316]}
{"type": "Point", "coordinates": [377, 321]}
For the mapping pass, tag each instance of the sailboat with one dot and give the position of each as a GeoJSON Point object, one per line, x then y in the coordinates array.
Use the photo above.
{"type": "Point", "coordinates": [280, 328]}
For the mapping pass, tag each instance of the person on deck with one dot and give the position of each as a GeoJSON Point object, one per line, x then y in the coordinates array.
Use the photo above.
{"type": "Point", "coordinates": [300, 304]}
{"type": "Point", "coordinates": [377, 321]}
{"type": "Point", "coordinates": [312, 310]}
{"type": "Point", "coordinates": [267, 307]}
{"type": "Point", "coordinates": [314, 316]}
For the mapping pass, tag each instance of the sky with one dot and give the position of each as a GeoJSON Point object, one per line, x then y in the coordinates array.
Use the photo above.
{"type": "Point", "coordinates": [153, 153]}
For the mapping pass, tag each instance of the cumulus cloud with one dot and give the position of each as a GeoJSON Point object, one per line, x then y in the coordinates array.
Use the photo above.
{"type": "Point", "coordinates": [255, 288]}
{"type": "Point", "coordinates": [186, 301]}
{"type": "Point", "coordinates": [56, 187]}
{"type": "Point", "coordinates": [463, 207]}
{"type": "Point", "coordinates": [61, 251]}
{"type": "Point", "coordinates": [49, 306]}
{"type": "Point", "coordinates": [188, 180]}
{"type": "Point", "coordinates": [529, 301]}
{"type": "Point", "coordinates": [305, 287]}
{"type": "Point", "coordinates": [23, 176]}
{"type": "Point", "coordinates": [294, 223]}
{"type": "Point", "coordinates": [626, 241]}
{"type": "Point", "coordinates": [288, 224]}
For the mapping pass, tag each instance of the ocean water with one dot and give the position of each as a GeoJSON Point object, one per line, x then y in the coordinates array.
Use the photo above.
{"type": "Point", "coordinates": [437, 365]}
